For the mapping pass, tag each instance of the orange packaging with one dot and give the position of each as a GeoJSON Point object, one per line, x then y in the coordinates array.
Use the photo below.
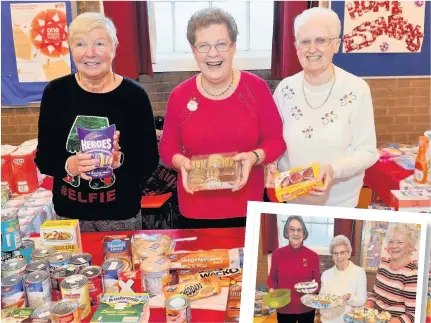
{"type": "Point", "coordinates": [195, 289]}
{"type": "Point", "coordinates": [225, 275]}
{"type": "Point", "coordinates": [6, 166]}
{"type": "Point", "coordinates": [24, 170]}
{"type": "Point", "coordinates": [233, 302]}
{"type": "Point", "coordinates": [421, 164]}
{"type": "Point", "coordinates": [208, 259]}
{"type": "Point", "coordinates": [296, 182]}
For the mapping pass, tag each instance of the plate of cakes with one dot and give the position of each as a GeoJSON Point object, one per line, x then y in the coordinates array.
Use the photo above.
{"type": "Point", "coordinates": [322, 301]}
{"type": "Point", "coordinates": [366, 315]}
{"type": "Point", "coordinates": [307, 287]}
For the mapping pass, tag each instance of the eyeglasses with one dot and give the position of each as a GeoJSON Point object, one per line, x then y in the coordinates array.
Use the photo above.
{"type": "Point", "coordinates": [220, 47]}
{"type": "Point", "coordinates": [341, 253]}
{"type": "Point", "coordinates": [318, 42]}
{"type": "Point", "coordinates": [292, 230]}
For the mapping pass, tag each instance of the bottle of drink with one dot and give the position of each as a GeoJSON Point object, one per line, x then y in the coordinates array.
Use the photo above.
{"type": "Point", "coordinates": [421, 164]}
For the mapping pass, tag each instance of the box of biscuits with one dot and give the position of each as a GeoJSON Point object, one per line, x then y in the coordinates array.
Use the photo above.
{"type": "Point", "coordinates": [213, 172]}
{"type": "Point", "coordinates": [64, 235]}
{"type": "Point", "coordinates": [296, 182]}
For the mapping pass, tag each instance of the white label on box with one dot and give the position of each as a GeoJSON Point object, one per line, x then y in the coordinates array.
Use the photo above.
{"type": "Point", "coordinates": [113, 265]}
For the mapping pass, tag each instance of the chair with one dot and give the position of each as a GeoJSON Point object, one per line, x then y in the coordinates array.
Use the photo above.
{"type": "Point", "coordinates": [157, 212]}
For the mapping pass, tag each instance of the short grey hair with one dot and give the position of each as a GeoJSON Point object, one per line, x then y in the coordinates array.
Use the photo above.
{"type": "Point", "coordinates": [324, 14]}
{"type": "Point", "coordinates": [340, 240]}
{"type": "Point", "coordinates": [211, 16]}
{"type": "Point", "coordinates": [87, 21]}
{"type": "Point", "coordinates": [409, 230]}
{"type": "Point", "coordinates": [300, 220]}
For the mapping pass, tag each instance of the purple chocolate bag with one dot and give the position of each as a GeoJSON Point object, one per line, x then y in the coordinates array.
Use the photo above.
{"type": "Point", "coordinates": [99, 143]}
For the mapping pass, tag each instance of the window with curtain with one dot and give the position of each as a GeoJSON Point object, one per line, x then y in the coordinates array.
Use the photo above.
{"type": "Point", "coordinates": [320, 232]}
{"type": "Point", "coordinates": [254, 20]}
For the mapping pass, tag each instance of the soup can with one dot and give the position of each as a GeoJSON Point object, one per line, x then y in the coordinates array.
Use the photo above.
{"type": "Point", "coordinates": [42, 253]}
{"type": "Point", "coordinates": [82, 260]}
{"type": "Point", "coordinates": [12, 292]}
{"type": "Point", "coordinates": [65, 311]}
{"type": "Point", "coordinates": [75, 288]}
{"type": "Point", "coordinates": [37, 288]}
{"type": "Point", "coordinates": [38, 265]}
{"type": "Point", "coordinates": [43, 312]}
{"type": "Point", "coordinates": [95, 283]}
{"type": "Point", "coordinates": [10, 232]}
{"type": "Point", "coordinates": [178, 309]}
{"type": "Point", "coordinates": [59, 259]}
{"type": "Point", "coordinates": [5, 192]}
{"type": "Point", "coordinates": [57, 277]}
{"type": "Point", "coordinates": [110, 272]}
{"type": "Point", "coordinates": [25, 250]}
{"type": "Point", "coordinates": [13, 266]}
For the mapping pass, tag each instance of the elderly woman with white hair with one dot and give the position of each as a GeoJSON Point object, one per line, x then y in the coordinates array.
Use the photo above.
{"type": "Point", "coordinates": [395, 287]}
{"type": "Point", "coordinates": [327, 115]}
{"type": "Point", "coordinates": [343, 279]}
{"type": "Point", "coordinates": [93, 98]}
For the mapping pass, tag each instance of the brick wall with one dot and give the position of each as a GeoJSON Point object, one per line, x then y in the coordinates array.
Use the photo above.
{"type": "Point", "coordinates": [402, 107]}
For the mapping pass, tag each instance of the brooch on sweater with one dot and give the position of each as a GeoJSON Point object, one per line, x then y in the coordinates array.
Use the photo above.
{"type": "Point", "coordinates": [193, 104]}
{"type": "Point", "coordinates": [304, 262]}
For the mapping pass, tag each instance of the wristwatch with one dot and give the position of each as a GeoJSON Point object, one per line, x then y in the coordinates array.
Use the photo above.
{"type": "Point", "coordinates": [257, 157]}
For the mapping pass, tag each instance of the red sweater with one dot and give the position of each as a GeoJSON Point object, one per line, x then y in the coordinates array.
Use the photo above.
{"type": "Point", "coordinates": [290, 266]}
{"type": "Point", "coordinates": [245, 121]}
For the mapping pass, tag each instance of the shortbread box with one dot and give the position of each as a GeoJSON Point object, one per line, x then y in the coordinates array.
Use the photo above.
{"type": "Point", "coordinates": [64, 235]}
{"type": "Point", "coordinates": [417, 201]}
{"type": "Point", "coordinates": [213, 172]}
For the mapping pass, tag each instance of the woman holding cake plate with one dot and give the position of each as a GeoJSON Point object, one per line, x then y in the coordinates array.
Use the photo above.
{"type": "Point", "coordinates": [291, 265]}
{"type": "Point", "coordinates": [344, 279]}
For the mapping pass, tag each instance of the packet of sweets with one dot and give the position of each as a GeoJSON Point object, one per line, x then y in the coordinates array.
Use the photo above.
{"type": "Point", "coordinates": [99, 143]}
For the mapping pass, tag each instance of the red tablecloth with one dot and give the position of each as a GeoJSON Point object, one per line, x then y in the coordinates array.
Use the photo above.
{"type": "Point", "coordinates": [225, 238]}
{"type": "Point", "coordinates": [384, 177]}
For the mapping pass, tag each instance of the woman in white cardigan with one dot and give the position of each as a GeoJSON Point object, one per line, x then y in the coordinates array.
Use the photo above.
{"type": "Point", "coordinates": [327, 115]}
{"type": "Point", "coordinates": [344, 279]}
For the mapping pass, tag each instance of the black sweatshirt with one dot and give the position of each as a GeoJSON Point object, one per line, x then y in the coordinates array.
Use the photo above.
{"type": "Point", "coordinates": [66, 105]}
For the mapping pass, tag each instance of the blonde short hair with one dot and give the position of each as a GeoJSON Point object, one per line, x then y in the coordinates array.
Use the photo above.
{"type": "Point", "coordinates": [409, 230]}
{"type": "Point", "coordinates": [324, 14]}
{"type": "Point", "coordinates": [87, 21]}
{"type": "Point", "coordinates": [340, 240]}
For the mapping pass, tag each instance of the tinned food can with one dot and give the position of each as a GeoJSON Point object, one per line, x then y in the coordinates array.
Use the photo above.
{"type": "Point", "coordinates": [75, 288]}
{"type": "Point", "coordinates": [82, 260]}
{"type": "Point", "coordinates": [10, 232]}
{"type": "Point", "coordinates": [59, 259]}
{"type": "Point", "coordinates": [5, 192]}
{"type": "Point", "coordinates": [65, 311]}
{"type": "Point", "coordinates": [38, 265]}
{"type": "Point", "coordinates": [25, 250]}
{"type": "Point", "coordinates": [42, 253]}
{"type": "Point", "coordinates": [110, 271]}
{"type": "Point", "coordinates": [95, 283]}
{"type": "Point", "coordinates": [43, 312]}
{"type": "Point", "coordinates": [13, 266]}
{"type": "Point", "coordinates": [178, 309]}
{"type": "Point", "coordinates": [12, 292]}
{"type": "Point", "coordinates": [57, 277]}
{"type": "Point", "coordinates": [37, 288]}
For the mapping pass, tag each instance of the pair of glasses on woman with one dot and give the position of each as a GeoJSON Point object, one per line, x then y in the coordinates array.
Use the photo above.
{"type": "Point", "coordinates": [220, 47]}
{"type": "Point", "coordinates": [293, 230]}
{"type": "Point", "coordinates": [318, 42]}
{"type": "Point", "coordinates": [341, 253]}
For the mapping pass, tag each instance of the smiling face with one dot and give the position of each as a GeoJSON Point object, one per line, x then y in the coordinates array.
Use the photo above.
{"type": "Point", "coordinates": [341, 255]}
{"type": "Point", "coordinates": [215, 65]}
{"type": "Point", "coordinates": [295, 233]}
{"type": "Point", "coordinates": [93, 53]}
{"type": "Point", "coordinates": [398, 246]}
{"type": "Point", "coordinates": [315, 59]}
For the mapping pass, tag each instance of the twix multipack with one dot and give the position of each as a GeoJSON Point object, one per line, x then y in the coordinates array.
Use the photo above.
{"type": "Point", "coordinates": [195, 289]}
{"type": "Point", "coordinates": [225, 275]}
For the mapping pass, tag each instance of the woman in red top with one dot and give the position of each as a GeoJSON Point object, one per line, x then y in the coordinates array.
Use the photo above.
{"type": "Point", "coordinates": [294, 264]}
{"type": "Point", "coordinates": [220, 110]}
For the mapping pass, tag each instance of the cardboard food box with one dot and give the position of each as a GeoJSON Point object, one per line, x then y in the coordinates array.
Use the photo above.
{"type": "Point", "coordinates": [130, 282]}
{"type": "Point", "coordinates": [64, 235]}
{"type": "Point", "coordinates": [119, 247]}
{"type": "Point", "coordinates": [297, 181]}
{"type": "Point", "coordinates": [233, 304]}
{"type": "Point", "coordinates": [417, 201]}
{"type": "Point", "coordinates": [213, 172]}
{"type": "Point", "coordinates": [119, 308]}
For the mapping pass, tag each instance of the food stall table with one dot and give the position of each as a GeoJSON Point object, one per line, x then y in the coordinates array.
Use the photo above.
{"type": "Point", "coordinates": [223, 238]}
{"type": "Point", "coordinates": [266, 319]}
{"type": "Point", "coordinates": [384, 177]}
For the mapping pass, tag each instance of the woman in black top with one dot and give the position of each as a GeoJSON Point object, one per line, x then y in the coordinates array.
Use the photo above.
{"type": "Point", "coordinates": [93, 98]}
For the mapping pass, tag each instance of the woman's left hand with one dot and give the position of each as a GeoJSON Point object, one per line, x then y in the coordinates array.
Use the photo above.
{"type": "Point", "coordinates": [116, 150]}
{"type": "Point", "coordinates": [247, 161]}
{"type": "Point", "coordinates": [346, 297]}
{"type": "Point", "coordinates": [326, 175]}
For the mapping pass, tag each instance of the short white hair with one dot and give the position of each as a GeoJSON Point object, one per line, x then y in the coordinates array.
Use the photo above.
{"type": "Point", "coordinates": [410, 231]}
{"type": "Point", "coordinates": [340, 240]}
{"type": "Point", "coordinates": [87, 21]}
{"type": "Point", "coordinates": [330, 18]}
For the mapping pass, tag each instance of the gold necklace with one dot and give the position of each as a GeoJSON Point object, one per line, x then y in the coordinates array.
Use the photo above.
{"type": "Point", "coordinates": [329, 94]}
{"type": "Point", "coordinates": [215, 95]}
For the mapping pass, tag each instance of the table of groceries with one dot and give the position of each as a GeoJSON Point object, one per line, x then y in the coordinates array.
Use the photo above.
{"type": "Point", "coordinates": [139, 276]}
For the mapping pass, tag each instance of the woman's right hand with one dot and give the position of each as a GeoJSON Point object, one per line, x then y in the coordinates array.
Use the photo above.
{"type": "Point", "coordinates": [271, 290]}
{"type": "Point", "coordinates": [270, 171]}
{"type": "Point", "coordinates": [80, 164]}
